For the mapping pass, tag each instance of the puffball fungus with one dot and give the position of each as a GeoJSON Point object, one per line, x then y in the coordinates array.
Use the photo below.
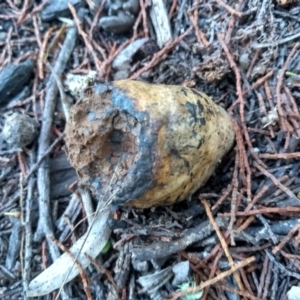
{"type": "Point", "coordinates": [146, 144]}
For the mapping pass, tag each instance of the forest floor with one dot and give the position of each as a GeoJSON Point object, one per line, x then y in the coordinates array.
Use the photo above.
{"type": "Point", "coordinates": [245, 55]}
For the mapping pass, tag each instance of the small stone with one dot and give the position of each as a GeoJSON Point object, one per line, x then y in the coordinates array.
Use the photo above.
{"type": "Point", "coordinates": [118, 24]}
{"type": "Point", "coordinates": [19, 130]}
{"type": "Point", "coordinates": [182, 272]}
{"type": "Point", "coordinates": [244, 61]}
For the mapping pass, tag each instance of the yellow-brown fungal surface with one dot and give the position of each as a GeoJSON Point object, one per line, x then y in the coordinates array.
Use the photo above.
{"type": "Point", "coordinates": [146, 144]}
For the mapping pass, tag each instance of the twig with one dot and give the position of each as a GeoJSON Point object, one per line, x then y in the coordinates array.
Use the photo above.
{"type": "Point", "coordinates": [42, 52]}
{"type": "Point", "coordinates": [96, 19]}
{"type": "Point", "coordinates": [241, 101]}
{"type": "Point", "coordinates": [28, 231]}
{"type": "Point", "coordinates": [36, 9]}
{"type": "Point", "coordinates": [286, 238]}
{"type": "Point", "coordinates": [103, 271]}
{"type": "Point", "coordinates": [194, 17]}
{"type": "Point", "coordinates": [144, 16]}
{"type": "Point", "coordinates": [44, 224]}
{"type": "Point", "coordinates": [66, 106]}
{"type": "Point", "coordinates": [229, 9]}
{"type": "Point", "coordinates": [158, 56]}
{"type": "Point", "coordinates": [78, 265]}
{"type": "Point", "coordinates": [282, 267]}
{"type": "Point", "coordinates": [222, 241]}
{"type": "Point", "coordinates": [275, 180]}
{"type": "Point", "coordinates": [158, 250]}
{"type": "Point", "coordinates": [279, 87]}
{"type": "Point", "coordinates": [244, 294]}
{"type": "Point", "coordinates": [265, 210]}
{"type": "Point", "coordinates": [85, 36]}
{"type": "Point", "coordinates": [280, 155]}
{"type": "Point", "coordinates": [234, 203]}
{"type": "Point", "coordinates": [277, 43]}
{"type": "Point", "coordinates": [24, 11]}
{"type": "Point", "coordinates": [210, 282]}
{"type": "Point", "coordinates": [45, 155]}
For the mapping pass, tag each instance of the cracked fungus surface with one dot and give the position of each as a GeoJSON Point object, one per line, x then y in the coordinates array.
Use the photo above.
{"type": "Point", "coordinates": [101, 142]}
{"type": "Point", "coordinates": [147, 145]}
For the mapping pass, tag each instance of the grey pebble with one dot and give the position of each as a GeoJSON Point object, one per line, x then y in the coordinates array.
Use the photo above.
{"type": "Point", "coordinates": [121, 23]}
{"type": "Point", "coordinates": [19, 130]}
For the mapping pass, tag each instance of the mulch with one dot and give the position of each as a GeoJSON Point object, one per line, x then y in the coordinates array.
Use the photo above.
{"type": "Point", "coordinates": [240, 232]}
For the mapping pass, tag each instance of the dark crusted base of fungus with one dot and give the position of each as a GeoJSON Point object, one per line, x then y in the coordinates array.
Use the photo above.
{"type": "Point", "coordinates": [102, 144]}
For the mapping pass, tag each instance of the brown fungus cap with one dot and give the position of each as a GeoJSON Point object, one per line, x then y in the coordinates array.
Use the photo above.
{"type": "Point", "coordinates": [146, 144]}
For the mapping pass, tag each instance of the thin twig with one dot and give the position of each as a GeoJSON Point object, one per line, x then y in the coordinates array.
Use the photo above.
{"type": "Point", "coordinates": [216, 279]}
{"type": "Point", "coordinates": [78, 265]}
{"type": "Point", "coordinates": [28, 230]}
{"type": "Point", "coordinates": [43, 182]}
{"type": "Point", "coordinates": [222, 241]}
{"type": "Point", "coordinates": [45, 155]}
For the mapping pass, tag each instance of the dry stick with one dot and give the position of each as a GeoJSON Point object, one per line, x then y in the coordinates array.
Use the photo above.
{"type": "Point", "coordinates": [232, 23]}
{"type": "Point", "coordinates": [103, 271]}
{"type": "Point", "coordinates": [245, 294]}
{"type": "Point", "coordinates": [46, 153]}
{"type": "Point", "coordinates": [277, 43]}
{"type": "Point", "coordinates": [78, 265]}
{"type": "Point", "coordinates": [37, 32]}
{"type": "Point", "coordinates": [281, 266]}
{"type": "Point", "coordinates": [22, 220]}
{"type": "Point", "coordinates": [112, 57]}
{"type": "Point", "coordinates": [36, 9]}
{"type": "Point", "coordinates": [157, 56]}
{"type": "Point", "coordinates": [224, 196]}
{"type": "Point", "coordinates": [172, 9]}
{"type": "Point", "coordinates": [279, 87]}
{"type": "Point", "coordinates": [102, 205]}
{"type": "Point", "coordinates": [144, 16]}
{"type": "Point", "coordinates": [265, 210]}
{"type": "Point", "coordinates": [242, 113]}
{"type": "Point", "coordinates": [280, 155]}
{"type": "Point", "coordinates": [28, 230]}
{"type": "Point", "coordinates": [286, 239]}
{"type": "Point", "coordinates": [292, 100]}
{"type": "Point", "coordinates": [45, 224]}
{"type": "Point", "coordinates": [267, 281]}
{"type": "Point", "coordinates": [210, 282]}
{"type": "Point", "coordinates": [262, 276]}
{"type": "Point", "coordinates": [262, 80]}
{"type": "Point", "coordinates": [194, 17]}
{"type": "Point", "coordinates": [212, 272]}
{"type": "Point", "coordinates": [24, 11]}
{"type": "Point", "coordinates": [65, 104]}
{"type": "Point", "coordinates": [136, 25]}
{"type": "Point", "coordinates": [222, 241]}
{"type": "Point", "coordinates": [96, 19]}
{"type": "Point", "coordinates": [275, 180]}
{"type": "Point", "coordinates": [229, 9]}
{"type": "Point", "coordinates": [85, 37]}
{"type": "Point", "coordinates": [234, 207]}
{"type": "Point", "coordinates": [253, 61]}
{"type": "Point", "coordinates": [241, 151]}
{"type": "Point", "coordinates": [42, 52]}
